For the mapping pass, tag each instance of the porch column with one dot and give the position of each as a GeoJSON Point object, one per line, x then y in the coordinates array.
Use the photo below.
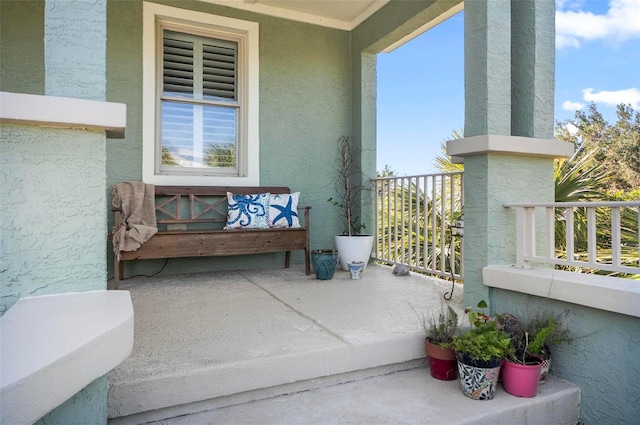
{"type": "Point", "coordinates": [509, 90]}
{"type": "Point", "coordinates": [75, 67]}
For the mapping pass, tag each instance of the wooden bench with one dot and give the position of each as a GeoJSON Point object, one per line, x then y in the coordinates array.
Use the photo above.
{"type": "Point", "coordinates": [190, 221]}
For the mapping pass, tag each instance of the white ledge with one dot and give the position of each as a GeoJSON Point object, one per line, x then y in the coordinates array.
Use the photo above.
{"type": "Point", "coordinates": [63, 112]}
{"type": "Point", "coordinates": [602, 292]}
{"type": "Point", "coordinates": [55, 345]}
{"type": "Point", "coordinates": [513, 145]}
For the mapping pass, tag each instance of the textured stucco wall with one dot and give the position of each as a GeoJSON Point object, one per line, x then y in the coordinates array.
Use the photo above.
{"type": "Point", "coordinates": [495, 82]}
{"type": "Point", "coordinates": [52, 216]}
{"type": "Point", "coordinates": [490, 181]}
{"type": "Point", "coordinates": [75, 33]}
{"type": "Point", "coordinates": [602, 359]}
{"type": "Point", "coordinates": [305, 101]}
{"type": "Point", "coordinates": [487, 68]}
{"type": "Point", "coordinates": [88, 407]}
{"type": "Point", "coordinates": [533, 62]}
{"type": "Point", "coordinates": [22, 46]}
{"type": "Point", "coordinates": [509, 90]}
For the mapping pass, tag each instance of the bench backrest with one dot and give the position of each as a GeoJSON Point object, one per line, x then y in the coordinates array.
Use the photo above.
{"type": "Point", "coordinates": [200, 204]}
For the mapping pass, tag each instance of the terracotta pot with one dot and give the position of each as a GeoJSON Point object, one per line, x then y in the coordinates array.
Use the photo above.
{"type": "Point", "coordinates": [442, 361]}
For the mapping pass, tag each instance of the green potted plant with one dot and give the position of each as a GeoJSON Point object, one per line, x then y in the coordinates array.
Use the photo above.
{"type": "Point", "coordinates": [352, 245]}
{"type": "Point", "coordinates": [439, 331]}
{"type": "Point", "coordinates": [479, 352]}
{"type": "Point", "coordinates": [521, 369]}
{"type": "Point", "coordinates": [545, 330]}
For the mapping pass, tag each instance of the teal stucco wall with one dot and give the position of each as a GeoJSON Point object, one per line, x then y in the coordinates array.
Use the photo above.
{"type": "Point", "coordinates": [52, 218]}
{"type": "Point", "coordinates": [602, 357]}
{"type": "Point", "coordinates": [22, 46]}
{"type": "Point", "coordinates": [53, 223]}
{"type": "Point", "coordinates": [305, 101]}
{"type": "Point", "coordinates": [316, 84]}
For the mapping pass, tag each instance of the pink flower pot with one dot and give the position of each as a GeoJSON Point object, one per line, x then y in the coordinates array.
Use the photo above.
{"type": "Point", "coordinates": [522, 380]}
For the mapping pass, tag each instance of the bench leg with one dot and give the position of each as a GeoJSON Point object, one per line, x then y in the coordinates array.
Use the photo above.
{"type": "Point", "coordinates": [287, 259]}
{"type": "Point", "coordinates": [307, 262]}
{"type": "Point", "coordinates": [118, 271]}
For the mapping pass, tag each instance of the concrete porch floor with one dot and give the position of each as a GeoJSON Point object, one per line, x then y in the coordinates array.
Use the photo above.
{"type": "Point", "coordinates": [234, 341]}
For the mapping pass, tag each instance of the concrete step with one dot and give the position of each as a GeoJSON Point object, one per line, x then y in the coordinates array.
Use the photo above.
{"type": "Point", "coordinates": [211, 340]}
{"type": "Point", "coordinates": [251, 346]}
{"type": "Point", "coordinates": [405, 397]}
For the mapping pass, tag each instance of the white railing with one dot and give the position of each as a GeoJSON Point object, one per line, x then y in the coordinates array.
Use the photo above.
{"type": "Point", "coordinates": [414, 219]}
{"type": "Point", "coordinates": [609, 228]}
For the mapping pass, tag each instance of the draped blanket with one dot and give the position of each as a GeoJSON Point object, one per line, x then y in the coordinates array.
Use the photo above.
{"type": "Point", "coordinates": [136, 200]}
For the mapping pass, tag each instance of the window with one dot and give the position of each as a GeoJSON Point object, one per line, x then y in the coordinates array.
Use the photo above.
{"type": "Point", "coordinates": [200, 100]}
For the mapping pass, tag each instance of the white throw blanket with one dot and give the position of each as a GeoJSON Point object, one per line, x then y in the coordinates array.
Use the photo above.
{"type": "Point", "coordinates": [136, 200]}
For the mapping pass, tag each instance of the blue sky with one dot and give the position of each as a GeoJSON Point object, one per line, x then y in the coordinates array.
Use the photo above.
{"type": "Point", "coordinates": [421, 84]}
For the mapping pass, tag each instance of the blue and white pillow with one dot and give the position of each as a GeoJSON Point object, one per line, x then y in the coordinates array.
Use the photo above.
{"type": "Point", "coordinates": [283, 210]}
{"type": "Point", "coordinates": [248, 211]}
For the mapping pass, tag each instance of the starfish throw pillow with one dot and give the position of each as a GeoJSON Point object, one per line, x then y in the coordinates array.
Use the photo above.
{"type": "Point", "coordinates": [283, 210]}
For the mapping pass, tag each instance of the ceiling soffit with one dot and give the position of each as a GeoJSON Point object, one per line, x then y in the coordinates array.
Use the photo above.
{"type": "Point", "coordinates": [339, 14]}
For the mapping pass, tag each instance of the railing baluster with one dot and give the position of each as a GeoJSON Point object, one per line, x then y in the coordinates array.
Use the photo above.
{"type": "Point", "coordinates": [413, 215]}
{"type": "Point", "coordinates": [616, 240]}
{"type": "Point", "coordinates": [525, 235]}
{"type": "Point", "coordinates": [570, 230]}
{"type": "Point", "coordinates": [434, 233]}
{"type": "Point", "coordinates": [389, 219]}
{"type": "Point", "coordinates": [591, 236]}
{"type": "Point", "coordinates": [425, 230]}
{"type": "Point", "coordinates": [550, 251]}
{"type": "Point", "coordinates": [443, 215]}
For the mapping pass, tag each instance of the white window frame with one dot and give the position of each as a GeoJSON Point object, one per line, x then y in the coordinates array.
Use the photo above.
{"type": "Point", "coordinates": [248, 141]}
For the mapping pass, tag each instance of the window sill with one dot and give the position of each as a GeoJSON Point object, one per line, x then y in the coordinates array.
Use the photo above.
{"type": "Point", "coordinates": [601, 292]}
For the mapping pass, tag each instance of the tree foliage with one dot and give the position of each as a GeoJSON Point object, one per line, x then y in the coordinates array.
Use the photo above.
{"type": "Point", "coordinates": [615, 146]}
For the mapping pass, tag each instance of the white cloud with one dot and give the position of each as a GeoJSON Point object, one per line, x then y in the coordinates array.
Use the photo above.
{"type": "Point", "coordinates": [613, 98]}
{"type": "Point", "coordinates": [572, 106]}
{"type": "Point", "coordinates": [620, 23]}
{"type": "Point", "coordinates": [572, 129]}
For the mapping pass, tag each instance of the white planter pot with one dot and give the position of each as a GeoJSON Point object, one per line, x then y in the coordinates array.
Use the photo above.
{"type": "Point", "coordinates": [354, 248]}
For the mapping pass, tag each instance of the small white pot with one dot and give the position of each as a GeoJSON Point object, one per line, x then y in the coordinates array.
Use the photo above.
{"type": "Point", "coordinates": [356, 268]}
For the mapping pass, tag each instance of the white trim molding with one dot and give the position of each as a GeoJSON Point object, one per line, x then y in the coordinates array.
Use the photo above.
{"type": "Point", "coordinates": [332, 15]}
{"type": "Point", "coordinates": [152, 13]}
{"type": "Point", "coordinates": [63, 112]}
{"type": "Point", "coordinates": [512, 145]}
{"type": "Point", "coordinates": [601, 292]}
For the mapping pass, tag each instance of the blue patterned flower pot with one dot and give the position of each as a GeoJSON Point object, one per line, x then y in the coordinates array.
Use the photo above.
{"type": "Point", "coordinates": [478, 381]}
{"type": "Point", "coordinates": [324, 263]}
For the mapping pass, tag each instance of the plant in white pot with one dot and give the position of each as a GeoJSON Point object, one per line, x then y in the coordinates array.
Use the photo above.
{"type": "Point", "coordinates": [352, 245]}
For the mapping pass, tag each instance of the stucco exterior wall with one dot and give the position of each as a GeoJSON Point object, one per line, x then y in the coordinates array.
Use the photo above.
{"type": "Point", "coordinates": [601, 359]}
{"type": "Point", "coordinates": [88, 407]}
{"type": "Point", "coordinates": [53, 181]}
{"type": "Point", "coordinates": [22, 46]}
{"type": "Point", "coordinates": [52, 218]}
{"type": "Point", "coordinates": [305, 101]}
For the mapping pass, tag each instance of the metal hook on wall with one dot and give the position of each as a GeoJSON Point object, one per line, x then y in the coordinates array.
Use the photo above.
{"type": "Point", "coordinates": [457, 230]}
